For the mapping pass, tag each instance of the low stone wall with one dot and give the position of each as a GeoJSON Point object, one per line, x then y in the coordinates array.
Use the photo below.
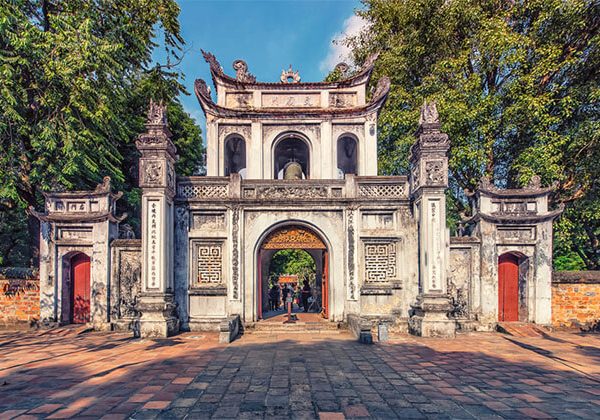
{"type": "Point", "coordinates": [19, 298]}
{"type": "Point", "coordinates": [576, 300]}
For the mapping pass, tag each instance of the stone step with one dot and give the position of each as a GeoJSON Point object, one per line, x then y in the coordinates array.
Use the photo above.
{"type": "Point", "coordinates": [521, 329]}
{"type": "Point", "coordinates": [297, 327]}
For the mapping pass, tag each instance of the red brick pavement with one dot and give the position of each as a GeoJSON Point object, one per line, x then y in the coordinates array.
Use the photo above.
{"type": "Point", "coordinates": [113, 376]}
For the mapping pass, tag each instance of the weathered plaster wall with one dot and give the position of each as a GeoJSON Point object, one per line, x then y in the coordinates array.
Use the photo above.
{"type": "Point", "coordinates": [576, 299]}
{"type": "Point", "coordinates": [19, 298]}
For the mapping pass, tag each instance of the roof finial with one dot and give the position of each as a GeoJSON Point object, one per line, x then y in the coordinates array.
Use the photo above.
{"type": "Point", "coordinates": [290, 76]}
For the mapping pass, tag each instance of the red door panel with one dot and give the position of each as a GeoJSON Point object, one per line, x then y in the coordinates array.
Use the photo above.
{"type": "Point", "coordinates": [325, 285]}
{"type": "Point", "coordinates": [80, 274]}
{"type": "Point", "coordinates": [508, 288]}
{"type": "Point", "coordinates": [260, 291]}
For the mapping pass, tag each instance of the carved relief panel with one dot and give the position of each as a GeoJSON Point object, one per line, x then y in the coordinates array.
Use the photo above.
{"type": "Point", "coordinates": [238, 99]}
{"type": "Point", "coordinates": [152, 172]}
{"type": "Point", "coordinates": [208, 220]}
{"type": "Point", "coordinates": [342, 99]}
{"type": "Point", "coordinates": [130, 282]}
{"type": "Point", "coordinates": [435, 172]}
{"type": "Point", "coordinates": [459, 281]}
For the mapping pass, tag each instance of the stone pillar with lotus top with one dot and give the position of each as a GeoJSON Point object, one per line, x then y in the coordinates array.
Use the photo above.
{"type": "Point", "coordinates": [429, 180]}
{"type": "Point", "coordinates": [157, 181]}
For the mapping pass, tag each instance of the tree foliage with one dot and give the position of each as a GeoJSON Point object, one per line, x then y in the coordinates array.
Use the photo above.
{"type": "Point", "coordinates": [516, 83]}
{"type": "Point", "coordinates": [75, 81]}
{"type": "Point", "coordinates": [293, 261]}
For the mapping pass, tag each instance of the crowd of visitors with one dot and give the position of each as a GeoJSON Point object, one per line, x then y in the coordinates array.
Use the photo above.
{"type": "Point", "coordinates": [279, 294]}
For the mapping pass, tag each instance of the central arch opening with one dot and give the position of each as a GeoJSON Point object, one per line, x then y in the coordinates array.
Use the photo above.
{"type": "Point", "coordinates": [293, 262]}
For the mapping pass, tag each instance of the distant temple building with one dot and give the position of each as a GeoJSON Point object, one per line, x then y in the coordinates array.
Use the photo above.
{"type": "Point", "coordinates": [293, 165]}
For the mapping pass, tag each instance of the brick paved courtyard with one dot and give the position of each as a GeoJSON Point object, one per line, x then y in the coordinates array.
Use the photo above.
{"type": "Point", "coordinates": [50, 375]}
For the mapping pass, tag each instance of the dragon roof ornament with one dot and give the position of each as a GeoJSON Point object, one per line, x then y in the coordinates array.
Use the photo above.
{"type": "Point", "coordinates": [241, 72]}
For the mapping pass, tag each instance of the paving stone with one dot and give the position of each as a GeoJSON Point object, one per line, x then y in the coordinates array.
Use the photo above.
{"type": "Point", "coordinates": [473, 376]}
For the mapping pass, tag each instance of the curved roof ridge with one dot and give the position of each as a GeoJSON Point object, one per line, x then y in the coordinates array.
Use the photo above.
{"type": "Point", "coordinates": [218, 75]}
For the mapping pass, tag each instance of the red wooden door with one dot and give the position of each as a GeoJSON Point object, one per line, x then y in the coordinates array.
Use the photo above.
{"type": "Point", "coordinates": [508, 288]}
{"type": "Point", "coordinates": [80, 275]}
{"type": "Point", "coordinates": [260, 292]}
{"type": "Point", "coordinates": [325, 285]}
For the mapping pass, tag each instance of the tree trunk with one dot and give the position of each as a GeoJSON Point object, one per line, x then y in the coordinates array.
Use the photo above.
{"type": "Point", "coordinates": [33, 227]}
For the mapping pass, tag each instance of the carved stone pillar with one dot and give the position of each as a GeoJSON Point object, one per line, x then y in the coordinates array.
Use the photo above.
{"type": "Point", "coordinates": [157, 181]}
{"type": "Point", "coordinates": [429, 180]}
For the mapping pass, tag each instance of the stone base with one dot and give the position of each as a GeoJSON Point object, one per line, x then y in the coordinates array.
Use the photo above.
{"type": "Point", "coordinates": [430, 317]}
{"type": "Point", "coordinates": [158, 317]}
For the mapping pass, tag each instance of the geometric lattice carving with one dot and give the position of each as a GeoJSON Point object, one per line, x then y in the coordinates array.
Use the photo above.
{"type": "Point", "coordinates": [382, 190]}
{"type": "Point", "coordinates": [210, 263]}
{"type": "Point", "coordinates": [380, 261]}
{"type": "Point", "coordinates": [203, 191]}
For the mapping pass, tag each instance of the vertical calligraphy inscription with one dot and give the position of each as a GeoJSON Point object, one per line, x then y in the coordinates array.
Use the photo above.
{"type": "Point", "coordinates": [351, 253]}
{"type": "Point", "coordinates": [235, 262]}
{"type": "Point", "coordinates": [153, 244]}
{"type": "Point", "coordinates": [435, 249]}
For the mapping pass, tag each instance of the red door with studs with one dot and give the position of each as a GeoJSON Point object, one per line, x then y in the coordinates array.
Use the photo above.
{"type": "Point", "coordinates": [508, 288]}
{"type": "Point", "coordinates": [80, 275]}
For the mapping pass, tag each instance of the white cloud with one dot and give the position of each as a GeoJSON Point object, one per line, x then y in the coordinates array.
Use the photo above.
{"type": "Point", "coordinates": [337, 51]}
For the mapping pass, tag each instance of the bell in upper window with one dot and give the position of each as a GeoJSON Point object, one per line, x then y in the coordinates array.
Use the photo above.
{"type": "Point", "coordinates": [293, 170]}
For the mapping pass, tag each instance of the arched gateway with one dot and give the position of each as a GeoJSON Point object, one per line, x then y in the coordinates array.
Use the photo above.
{"type": "Point", "coordinates": [293, 237]}
{"type": "Point", "coordinates": [293, 165]}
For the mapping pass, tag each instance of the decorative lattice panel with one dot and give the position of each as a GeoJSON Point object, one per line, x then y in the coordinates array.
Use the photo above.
{"type": "Point", "coordinates": [380, 262]}
{"type": "Point", "coordinates": [203, 191]}
{"type": "Point", "coordinates": [210, 263]}
{"type": "Point", "coordinates": [382, 190]}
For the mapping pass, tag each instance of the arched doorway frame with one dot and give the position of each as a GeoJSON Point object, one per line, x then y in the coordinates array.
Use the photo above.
{"type": "Point", "coordinates": [525, 286]}
{"type": "Point", "coordinates": [64, 287]}
{"type": "Point", "coordinates": [284, 136]}
{"type": "Point", "coordinates": [257, 261]}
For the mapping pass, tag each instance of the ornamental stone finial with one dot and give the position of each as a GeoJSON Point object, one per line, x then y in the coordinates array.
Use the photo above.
{"type": "Point", "coordinates": [290, 76]}
{"type": "Point", "coordinates": [157, 113]}
{"type": "Point", "coordinates": [103, 187]}
{"type": "Point", "coordinates": [429, 113]}
{"type": "Point", "coordinates": [535, 183]}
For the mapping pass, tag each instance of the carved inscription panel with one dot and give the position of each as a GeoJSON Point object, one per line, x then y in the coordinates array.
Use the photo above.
{"type": "Point", "coordinates": [75, 233]}
{"type": "Point", "coordinates": [280, 100]}
{"type": "Point", "coordinates": [516, 233]}
{"type": "Point", "coordinates": [380, 259]}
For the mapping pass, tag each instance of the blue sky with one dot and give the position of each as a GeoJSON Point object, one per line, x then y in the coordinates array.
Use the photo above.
{"type": "Point", "coordinates": [268, 35]}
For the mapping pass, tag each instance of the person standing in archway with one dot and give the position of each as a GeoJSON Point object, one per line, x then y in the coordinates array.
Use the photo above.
{"type": "Point", "coordinates": [306, 292]}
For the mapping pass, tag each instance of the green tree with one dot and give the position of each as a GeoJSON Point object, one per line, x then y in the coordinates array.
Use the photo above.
{"type": "Point", "coordinates": [75, 81]}
{"type": "Point", "coordinates": [516, 84]}
{"type": "Point", "coordinates": [293, 261]}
